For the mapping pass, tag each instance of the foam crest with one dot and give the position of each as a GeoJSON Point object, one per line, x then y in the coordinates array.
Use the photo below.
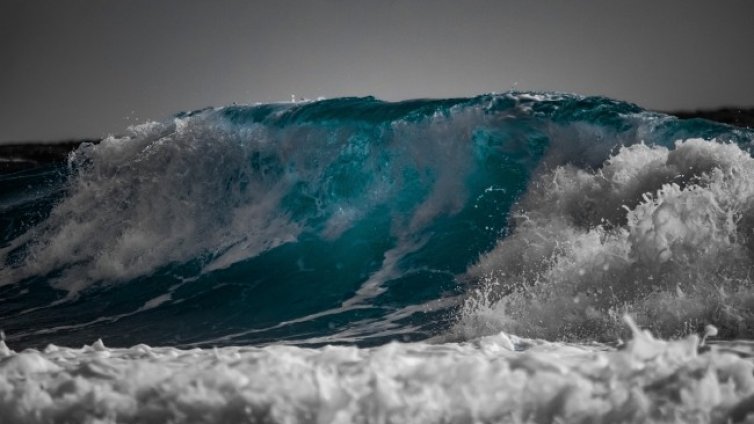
{"type": "Point", "coordinates": [662, 234]}
{"type": "Point", "coordinates": [166, 192]}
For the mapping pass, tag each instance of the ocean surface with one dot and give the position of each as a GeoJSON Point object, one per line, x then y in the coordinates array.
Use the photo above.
{"type": "Point", "coordinates": [516, 257]}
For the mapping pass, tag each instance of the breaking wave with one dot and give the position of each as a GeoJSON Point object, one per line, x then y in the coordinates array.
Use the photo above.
{"type": "Point", "coordinates": [360, 221]}
{"type": "Point", "coordinates": [664, 235]}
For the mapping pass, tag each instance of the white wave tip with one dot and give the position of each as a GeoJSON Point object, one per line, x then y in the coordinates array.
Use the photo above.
{"type": "Point", "coordinates": [4, 350]}
{"type": "Point", "coordinates": [98, 346]}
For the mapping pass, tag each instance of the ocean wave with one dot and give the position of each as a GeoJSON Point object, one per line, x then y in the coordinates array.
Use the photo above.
{"type": "Point", "coordinates": [361, 221]}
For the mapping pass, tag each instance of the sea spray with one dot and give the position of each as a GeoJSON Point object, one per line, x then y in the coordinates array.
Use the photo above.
{"type": "Point", "coordinates": [663, 234]}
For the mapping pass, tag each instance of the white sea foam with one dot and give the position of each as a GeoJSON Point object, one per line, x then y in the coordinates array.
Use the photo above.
{"type": "Point", "coordinates": [167, 192]}
{"type": "Point", "coordinates": [663, 234]}
{"type": "Point", "coordinates": [499, 378]}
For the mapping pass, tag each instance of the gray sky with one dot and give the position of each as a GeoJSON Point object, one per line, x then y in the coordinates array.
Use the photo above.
{"type": "Point", "coordinates": [88, 68]}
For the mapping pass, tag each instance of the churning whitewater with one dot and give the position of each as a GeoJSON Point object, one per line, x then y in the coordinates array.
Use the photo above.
{"type": "Point", "coordinates": [352, 260]}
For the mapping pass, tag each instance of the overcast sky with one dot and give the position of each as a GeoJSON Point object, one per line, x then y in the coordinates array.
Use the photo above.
{"type": "Point", "coordinates": [88, 68]}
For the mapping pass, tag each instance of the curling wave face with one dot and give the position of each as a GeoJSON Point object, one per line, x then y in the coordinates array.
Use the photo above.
{"type": "Point", "coordinates": [360, 221]}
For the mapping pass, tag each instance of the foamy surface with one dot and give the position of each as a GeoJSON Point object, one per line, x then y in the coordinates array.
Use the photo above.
{"type": "Point", "coordinates": [497, 378]}
{"type": "Point", "coordinates": [664, 235]}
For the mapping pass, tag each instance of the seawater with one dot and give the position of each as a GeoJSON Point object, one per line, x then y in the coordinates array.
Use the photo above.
{"type": "Point", "coordinates": [354, 260]}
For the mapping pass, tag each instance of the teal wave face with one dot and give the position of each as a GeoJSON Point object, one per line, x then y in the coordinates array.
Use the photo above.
{"type": "Point", "coordinates": [344, 220]}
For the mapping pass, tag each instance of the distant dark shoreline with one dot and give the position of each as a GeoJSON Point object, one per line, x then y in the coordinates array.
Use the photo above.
{"type": "Point", "coordinates": [19, 156]}
{"type": "Point", "coordinates": [739, 117]}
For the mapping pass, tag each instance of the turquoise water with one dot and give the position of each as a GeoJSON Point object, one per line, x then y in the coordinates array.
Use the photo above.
{"type": "Point", "coordinates": [361, 221]}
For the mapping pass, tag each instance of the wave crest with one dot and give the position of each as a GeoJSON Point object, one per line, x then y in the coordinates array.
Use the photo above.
{"type": "Point", "coordinates": [664, 235]}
